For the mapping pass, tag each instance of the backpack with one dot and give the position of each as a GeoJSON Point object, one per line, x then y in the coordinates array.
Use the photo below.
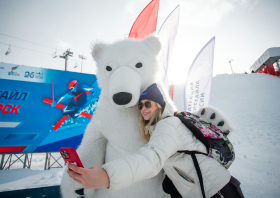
{"type": "Point", "coordinates": [218, 145]}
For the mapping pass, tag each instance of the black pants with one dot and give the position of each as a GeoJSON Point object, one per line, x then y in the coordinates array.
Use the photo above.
{"type": "Point", "coordinates": [169, 188]}
{"type": "Point", "coordinates": [231, 190]}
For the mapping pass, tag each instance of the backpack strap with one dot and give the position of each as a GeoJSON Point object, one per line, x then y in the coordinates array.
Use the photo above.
{"type": "Point", "coordinates": [196, 132]}
{"type": "Point", "coordinates": [197, 168]}
{"type": "Point", "coordinates": [190, 152]}
{"type": "Point", "coordinates": [166, 117]}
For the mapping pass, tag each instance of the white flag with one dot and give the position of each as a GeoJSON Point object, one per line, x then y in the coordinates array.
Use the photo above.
{"type": "Point", "coordinates": [198, 84]}
{"type": "Point", "coordinates": [167, 34]}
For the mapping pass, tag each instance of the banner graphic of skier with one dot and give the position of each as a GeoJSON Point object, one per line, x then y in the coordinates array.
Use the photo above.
{"type": "Point", "coordinates": [42, 110]}
{"type": "Point", "coordinates": [167, 34]}
{"type": "Point", "coordinates": [198, 84]}
{"type": "Point", "coordinates": [146, 22]}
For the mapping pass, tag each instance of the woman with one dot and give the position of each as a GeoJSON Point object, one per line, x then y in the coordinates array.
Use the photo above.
{"type": "Point", "coordinates": [165, 135]}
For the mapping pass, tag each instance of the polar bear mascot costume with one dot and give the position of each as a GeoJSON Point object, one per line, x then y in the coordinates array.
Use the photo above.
{"type": "Point", "coordinates": [125, 69]}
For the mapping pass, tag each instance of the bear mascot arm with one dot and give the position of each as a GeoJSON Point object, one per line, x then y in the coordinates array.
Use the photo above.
{"type": "Point", "coordinates": [92, 153]}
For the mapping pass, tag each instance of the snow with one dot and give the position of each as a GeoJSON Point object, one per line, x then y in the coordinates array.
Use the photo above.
{"type": "Point", "coordinates": [250, 101]}
{"type": "Point", "coordinates": [18, 178]}
{"type": "Point", "coordinates": [24, 178]}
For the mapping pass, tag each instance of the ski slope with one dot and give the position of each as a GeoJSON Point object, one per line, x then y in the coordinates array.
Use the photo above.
{"type": "Point", "coordinates": [251, 102]}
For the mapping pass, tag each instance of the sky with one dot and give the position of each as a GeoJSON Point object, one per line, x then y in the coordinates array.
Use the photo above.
{"type": "Point", "coordinates": [243, 29]}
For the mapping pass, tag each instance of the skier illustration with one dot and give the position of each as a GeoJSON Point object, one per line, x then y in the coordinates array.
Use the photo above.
{"type": "Point", "coordinates": [73, 102]}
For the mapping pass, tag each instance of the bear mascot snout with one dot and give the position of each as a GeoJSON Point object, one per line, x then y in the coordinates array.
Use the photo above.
{"type": "Point", "coordinates": [124, 87]}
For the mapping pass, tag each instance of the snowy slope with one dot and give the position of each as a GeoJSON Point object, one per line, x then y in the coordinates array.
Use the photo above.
{"type": "Point", "coordinates": [252, 102]}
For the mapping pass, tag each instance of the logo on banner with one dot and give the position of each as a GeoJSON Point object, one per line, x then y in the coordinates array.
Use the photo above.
{"type": "Point", "coordinates": [197, 99]}
{"type": "Point", "coordinates": [12, 72]}
{"type": "Point", "coordinates": [39, 75]}
{"type": "Point", "coordinates": [1, 67]}
{"type": "Point", "coordinates": [29, 74]}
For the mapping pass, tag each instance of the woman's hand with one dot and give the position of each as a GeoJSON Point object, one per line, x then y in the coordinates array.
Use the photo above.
{"type": "Point", "coordinates": [91, 178]}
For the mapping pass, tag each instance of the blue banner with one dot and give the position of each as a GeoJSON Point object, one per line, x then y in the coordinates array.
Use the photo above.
{"type": "Point", "coordinates": [42, 110]}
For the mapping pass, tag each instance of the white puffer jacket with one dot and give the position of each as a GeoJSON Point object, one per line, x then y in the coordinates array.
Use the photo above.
{"type": "Point", "coordinates": [169, 136]}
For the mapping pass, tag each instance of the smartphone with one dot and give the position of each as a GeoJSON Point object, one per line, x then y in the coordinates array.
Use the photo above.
{"type": "Point", "coordinates": [70, 155]}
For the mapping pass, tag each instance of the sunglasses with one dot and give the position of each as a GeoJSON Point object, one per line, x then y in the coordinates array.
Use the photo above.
{"type": "Point", "coordinates": [147, 104]}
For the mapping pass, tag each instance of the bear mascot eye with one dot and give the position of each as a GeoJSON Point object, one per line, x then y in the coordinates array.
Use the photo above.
{"type": "Point", "coordinates": [108, 68]}
{"type": "Point", "coordinates": [138, 65]}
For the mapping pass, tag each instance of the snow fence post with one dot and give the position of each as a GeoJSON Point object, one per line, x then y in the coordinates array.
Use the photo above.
{"type": "Point", "coordinates": [2, 161]}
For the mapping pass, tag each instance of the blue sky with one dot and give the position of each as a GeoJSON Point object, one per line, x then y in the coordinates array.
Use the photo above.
{"type": "Point", "coordinates": [244, 29]}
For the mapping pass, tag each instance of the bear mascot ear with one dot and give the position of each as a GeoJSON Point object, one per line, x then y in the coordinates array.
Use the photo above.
{"type": "Point", "coordinates": [97, 50]}
{"type": "Point", "coordinates": [153, 43]}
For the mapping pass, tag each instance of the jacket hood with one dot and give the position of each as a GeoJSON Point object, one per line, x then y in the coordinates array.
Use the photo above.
{"type": "Point", "coordinates": [166, 112]}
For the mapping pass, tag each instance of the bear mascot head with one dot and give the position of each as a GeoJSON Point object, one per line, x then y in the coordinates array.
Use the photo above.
{"type": "Point", "coordinates": [128, 67]}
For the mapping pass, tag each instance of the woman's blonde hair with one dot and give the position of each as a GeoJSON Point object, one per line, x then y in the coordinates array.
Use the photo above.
{"type": "Point", "coordinates": [146, 128]}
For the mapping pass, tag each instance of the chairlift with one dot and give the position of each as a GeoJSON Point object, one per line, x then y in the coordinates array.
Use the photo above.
{"type": "Point", "coordinates": [8, 51]}
{"type": "Point", "coordinates": [76, 65]}
{"type": "Point", "coordinates": [54, 54]}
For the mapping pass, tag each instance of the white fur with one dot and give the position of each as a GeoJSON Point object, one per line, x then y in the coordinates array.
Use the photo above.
{"type": "Point", "coordinates": [219, 116]}
{"type": "Point", "coordinates": [113, 131]}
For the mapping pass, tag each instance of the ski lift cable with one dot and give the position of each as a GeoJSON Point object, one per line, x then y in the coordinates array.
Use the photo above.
{"type": "Point", "coordinates": [25, 48]}
{"type": "Point", "coordinates": [30, 42]}
{"type": "Point", "coordinates": [71, 59]}
{"type": "Point", "coordinates": [9, 49]}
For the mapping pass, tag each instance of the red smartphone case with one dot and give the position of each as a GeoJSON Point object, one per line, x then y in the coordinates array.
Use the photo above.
{"type": "Point", "coordinates": [71, 156]}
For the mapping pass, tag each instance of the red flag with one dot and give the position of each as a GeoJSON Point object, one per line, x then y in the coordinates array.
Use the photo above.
{"type": "Point", "coordinates": [146, 22]}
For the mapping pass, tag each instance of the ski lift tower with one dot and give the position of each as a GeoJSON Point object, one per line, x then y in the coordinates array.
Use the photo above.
{"type": "Point", "coordinates": [65, 56]}
{"type": "Point", "coordinates": [82, 57]}
{"type": "Point", "coordinates": [229, 60]}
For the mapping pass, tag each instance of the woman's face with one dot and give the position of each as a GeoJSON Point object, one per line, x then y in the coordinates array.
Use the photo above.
{"type": "Point", "coordinates": [147, 113]}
